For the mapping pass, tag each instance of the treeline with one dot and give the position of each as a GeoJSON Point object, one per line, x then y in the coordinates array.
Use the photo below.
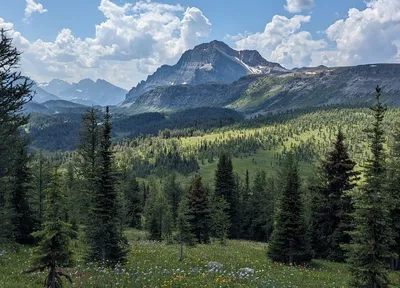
{"type": "Point", "coordinates": [59, 132]}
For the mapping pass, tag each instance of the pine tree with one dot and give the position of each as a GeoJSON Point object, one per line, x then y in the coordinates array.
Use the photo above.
{"type": "Point", "coordinates": [220, 218]}
{"type": "Point", "coordinates": [159, 217]}
{"type": "Point", "coordinates": [22, 217]}
{"type": "Point", "coordinates": [393, 186]}
{"type": "Point", "coordinates": [372, 238]}
{"type": "Point", "coordinates": [173, 193]}
{"type": "Point", "coordinates": [41, 179]}
{"type": "Point", "coordinates": [332, 205]}
{"type": "Point", "coordinates": [199, 213]}
{"type": "Point", "coordinates": [89, 159]}
{"type": "Point", "coordinates": [104, 234]}
{"type": "Point", "coordinates": [289, 242]}
{"type": "Point", "coordinates": [225, 187]}
{"type": "Point", "coordinates": [134, 203]}
{"type": "Point", "coordinates": [261, 212]}
{"type": "Point", "coordinates": [15, 92]}
{"type": "Point", "coordinates": [53, 251]}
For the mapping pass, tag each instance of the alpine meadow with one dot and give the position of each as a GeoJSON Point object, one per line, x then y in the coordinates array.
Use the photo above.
{"type": "Point", "coordinates": [269, 159]}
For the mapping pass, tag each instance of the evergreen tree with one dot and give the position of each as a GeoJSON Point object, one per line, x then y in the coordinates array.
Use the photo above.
{"type": "Point", "coordinates": [220, 218]}
{"type": "Point", "coordinates": [332, 205]}
{"type": "Point", "coordinates": [41, 179]}
{"type": "Point", "coordinates": [199, 213]}
{"type": "Point", "coordinates": [89, 159]}
{"type": "Point", "coordinates": [289, 242]}
{"type": "Point", "coordinates": [104, 234]}
{"type": "Point", "coordinates": [134, 202]}
{"type": "Point", "coordinates": [53, 251]}
{"type": "Point", "coordinates": [225, 187]}
{"type": "Point", "coordinates": [261, 212]}
{"type": "Point", "coordinates": [173, 193]}
{"type": "Point", "coordinates": [393, 185]}
{"type": "Point", "coordinates": [184, 221]}
{"type": "Point", "coordinates": [369, 251]}
{"type": "Point", "coordinates": [22, 217]}
{"type": "Point", "coordinates": [159, 217]}
{"type": "Point", "coordinates": [15, 92]}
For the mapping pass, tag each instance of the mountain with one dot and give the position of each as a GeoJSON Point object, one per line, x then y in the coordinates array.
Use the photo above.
{"type": "Point", "coordinates": [86, 92]}
{"type": "Point", "coordinates": [254, 94]}
{"type": "Point", "coordinates": [55, 86]}
{"type": "Point", "coordinates": [54, 107]}
{"type": "Point", "coordinates": [41, 95]}
{"type": "Point", "coordinates": [209, 62]}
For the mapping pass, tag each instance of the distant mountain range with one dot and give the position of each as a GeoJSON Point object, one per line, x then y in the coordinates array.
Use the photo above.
{"type": "Point", "coordinates": [85, 92]}
{"type": "Point", "coordinates": [215, 75]}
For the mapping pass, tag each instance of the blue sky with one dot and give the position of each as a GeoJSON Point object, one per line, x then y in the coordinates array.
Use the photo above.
{"type": "Point", "coordinates": [123, 41]}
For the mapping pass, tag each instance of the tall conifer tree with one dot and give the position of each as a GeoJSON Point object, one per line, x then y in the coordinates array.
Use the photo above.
{"type": "Point", "coordinates": [369, 251]}
{"type": "Point", "coordinates": [105, 235]}
{"type": "Point", "coordinates": [289, 242]}
{"type": "Point", "coordinates": [332, 205]}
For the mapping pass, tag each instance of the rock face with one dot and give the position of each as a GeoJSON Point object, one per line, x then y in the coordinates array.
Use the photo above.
{"type": "Point", "coordinates": [41, 95]}
{"type": "Point", "coordinates": [253, 94]}
{"type": "Point", "coordinates": [87, 92]}
{"type": "Point", "coordinates": [209, 62]}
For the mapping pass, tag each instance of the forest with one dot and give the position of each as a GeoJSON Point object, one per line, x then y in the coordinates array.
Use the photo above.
{"type": "Point", "coordinates": [308, 198]}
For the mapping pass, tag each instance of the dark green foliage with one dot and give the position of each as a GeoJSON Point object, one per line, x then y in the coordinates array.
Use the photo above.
{"type": "Point", "coordinates": [183, 223]}
{"type": "Point", "coordinates": [393, 186]}
{"type": "Point", "coordinates": [53, 251]}
{"type": "Point", "coordinates": [173, 194]}
{"type": "Point", "coordinates": [199, 212]}
{"type": "Point", "coordinates": [260, 208]}
{"type": "Point", "coordinates": [331, 203]}
{"type": "Point", "coordinates": [369, 251]}
{"type": "Point", "coordinates": [41, 175]}
{"type": "Point", "coordinates": [15, 92]}
{"type": "Point", "coordinates": [159, 217]}
{"type": "Point", "coordinates": [220, 218]}
{"type": "Point", "coordinates": [289, 242]}
{"type": "Point", "coordinates": [22, 217]}
{"type": "Point", "coordinates": [225, 187]}
{"type": "Point", "coordinates": [104, 231]}
{"type": "Point", "coordinates": [134, 202]}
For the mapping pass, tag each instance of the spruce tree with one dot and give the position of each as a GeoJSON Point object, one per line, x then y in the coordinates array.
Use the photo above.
{"type": "Point", "coordinates": [104, 231]}
{"type": "Point", "coordinates": [159, 217]}
{"type": "Point", "coordinates": [261, 212]}
{"type": "Point", "coordinates": [41, 178]}
{"type": "Point", "coordinates": [289, 242]}
{"type": "Point", "coordinates": [173, 193]}
{"type": "Point", "coordinates": [332, 205]}
{"type": "Point", "coordinates": [199, 211]}
{"type": "Point", "coordinates": [369, 251]}
{"type": "Point", "coordinates": [225, 187]}
{"type": "Point", "coordinates": [220, 218]}
{"type": "Point", "coordinates": [393, 185]}
{"type": "Point", "coordinates": [15, 92]}
{"type": "Point", "coordinates": [53, 251]}
{"type": "Point", "coordinates": [134, 203]}
{"type": "Point", "coordinates": [22, 216]}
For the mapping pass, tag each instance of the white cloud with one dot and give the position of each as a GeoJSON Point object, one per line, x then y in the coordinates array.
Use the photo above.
{"type": "Point", "coordinates": [296, 6]}
{"type": "Point", "coordinates": [136, 38]}
{"type": "Point", "coordinates": [32, 7]}
{"type": "Point", "coordinates": [369, 35]}
{"type": "Point", "coordinates": [281, 42]}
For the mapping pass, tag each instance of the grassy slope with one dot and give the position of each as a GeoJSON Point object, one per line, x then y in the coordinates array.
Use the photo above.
{"type": "Point", "coordinates": [152, 264]}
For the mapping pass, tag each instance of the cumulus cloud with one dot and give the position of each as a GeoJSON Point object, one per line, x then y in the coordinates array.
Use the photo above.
{"type": "Point", "coordinates": [296, 6]}
{"type": "Point", "coordinates": [145, 35]}
{"type": "Point", "coordinates": [32, 7]}
{"type": "Point", "coordinates": [282, 42]}
{"type": "Point", "coordinates": [369, 35]}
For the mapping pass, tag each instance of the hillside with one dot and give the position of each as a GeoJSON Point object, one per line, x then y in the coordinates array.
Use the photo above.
{"type": "Point", "coordinates": [263, 94]}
